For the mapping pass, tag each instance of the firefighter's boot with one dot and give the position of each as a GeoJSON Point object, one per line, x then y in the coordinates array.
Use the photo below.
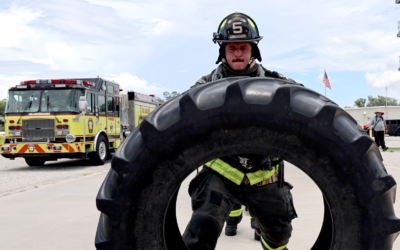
{"type": "Point", "coordinates": [253, 223]}
{"type": "Point", "coordinates": [257, 234]}
{"type": "Point", "coordinates": [230, 230]}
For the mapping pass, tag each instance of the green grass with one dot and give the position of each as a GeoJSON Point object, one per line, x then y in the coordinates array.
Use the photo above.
{"type": "Point", "coordinates": [393, 150]}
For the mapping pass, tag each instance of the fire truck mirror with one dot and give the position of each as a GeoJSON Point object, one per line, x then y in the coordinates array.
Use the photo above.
{"type": "Point", "coordinates": [82, 104]}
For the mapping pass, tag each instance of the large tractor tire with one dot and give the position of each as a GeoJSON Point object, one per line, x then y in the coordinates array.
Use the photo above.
{"type": "Point", "coordinates": [259, 115]}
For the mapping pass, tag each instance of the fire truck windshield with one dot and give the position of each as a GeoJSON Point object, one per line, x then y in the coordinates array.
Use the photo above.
{"type": "Point", "coordinates": [57, 100]}
{"type": "Point", "coordinates": [23, 101]}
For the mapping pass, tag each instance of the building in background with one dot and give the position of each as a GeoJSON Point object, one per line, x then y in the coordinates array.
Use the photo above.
{"type": "Point", "coordinates": [398, 33]}
{"type": "Point", "coordinates": [363, 115]}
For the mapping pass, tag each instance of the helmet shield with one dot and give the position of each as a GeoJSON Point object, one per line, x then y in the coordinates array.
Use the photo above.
{"type": "Point", "coordinates": [237, 27]}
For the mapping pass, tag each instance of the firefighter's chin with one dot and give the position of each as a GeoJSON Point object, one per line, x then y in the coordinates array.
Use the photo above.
{"type": "Point", "coordinates": [238, 65]}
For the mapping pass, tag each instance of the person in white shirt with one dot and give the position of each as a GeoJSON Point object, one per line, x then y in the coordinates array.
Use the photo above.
{"type": "Point", "coordinates": [379, 125]}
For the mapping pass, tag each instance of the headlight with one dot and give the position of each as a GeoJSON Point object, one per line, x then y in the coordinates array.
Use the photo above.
{"type": "Point", "coordinates": [70, 138]}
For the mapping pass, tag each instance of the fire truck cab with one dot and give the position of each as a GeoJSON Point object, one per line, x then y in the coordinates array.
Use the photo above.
{"type": "Point", "coordinates": [43, 121]}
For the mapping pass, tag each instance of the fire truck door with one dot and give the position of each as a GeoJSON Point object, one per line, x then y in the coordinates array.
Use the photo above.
{"type": "Point", "coordinates": [111, 114]}
{"type": "Point", "coordinates": [102, 123]}
{"type": "Point", "coordinates": [111, 119]}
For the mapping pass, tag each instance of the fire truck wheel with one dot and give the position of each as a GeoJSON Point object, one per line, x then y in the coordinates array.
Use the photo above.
{"type": "Point", "coordinates": [34, 162]}
{"type": "Point", "coordinates": [101, 154]}
{"type": "Point", "coordinates": [260, 115]}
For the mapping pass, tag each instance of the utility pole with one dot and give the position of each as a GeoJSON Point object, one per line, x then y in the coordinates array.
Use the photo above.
{"type": "Point", "coordinates": [386, 103]}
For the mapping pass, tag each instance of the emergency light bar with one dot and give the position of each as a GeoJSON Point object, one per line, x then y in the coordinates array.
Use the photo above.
{"type": "Point", "coordinates": [28, 82]}
{"type": "Point", "coordinates": [88, 83]}
{"type": "Point", "coordinates": [58, 81]}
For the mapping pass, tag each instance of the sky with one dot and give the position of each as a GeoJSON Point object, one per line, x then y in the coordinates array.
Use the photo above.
{"type": "Point", "coordinates": [152, 46]}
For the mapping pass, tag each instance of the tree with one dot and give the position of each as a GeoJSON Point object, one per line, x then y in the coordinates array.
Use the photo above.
{"type": "Point", "coordinates": [360, 102]}
{"type": "Point", "coordinates": [2, 107]}
{"type": "Point", "coordinates": [168, 96]}
{"type": "Point", "coordinates": [381, 101]}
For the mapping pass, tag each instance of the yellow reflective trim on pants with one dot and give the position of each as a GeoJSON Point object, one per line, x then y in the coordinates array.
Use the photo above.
{"type": "Point", "coordinates": [270, 248]}
{"type": "Point", "coordinates": [235, 213]}
{"type": "Point", "coordinates": [226, 170]}
{"type": "Point", "coordinates": [261, 175]}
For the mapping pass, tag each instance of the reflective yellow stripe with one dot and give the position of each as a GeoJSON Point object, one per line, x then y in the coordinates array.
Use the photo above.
{"type": "Point", "coordinates": [252, 24]}
{"type": "Point", "coordinates": [222, 25]}
{"type": "Point", "coordinates": [235, 213]}
{"type": "Point", "coordinates": [270, 248]}
{"type": "Point", "coordinates": [261, 175]}
{"type": "Point", "coordinates": [251, 217]}
{"type": "Point", "coordinates": [226, 170]}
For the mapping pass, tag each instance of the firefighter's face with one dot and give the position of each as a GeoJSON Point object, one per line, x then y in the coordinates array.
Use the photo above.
{"type": "Point", "coordinates": [238, 55]}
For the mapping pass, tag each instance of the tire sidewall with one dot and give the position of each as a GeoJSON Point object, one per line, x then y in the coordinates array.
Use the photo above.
{"type": "Point", "coordinates": [310, 143]}
{"type": "Point", "coordinates": [96, 155]}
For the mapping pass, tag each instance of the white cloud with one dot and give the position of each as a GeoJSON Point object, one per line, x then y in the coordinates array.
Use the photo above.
{"type": "Point", "coordinates": [387, 78]}
{"type": "Point", "coordinates": [155, 39]}
{"type": "Point", "coordinates": [320, 77]}
{"type": "Point", "coordinates": [7, 81]}
{"type": "Point", "coordinates": [130, 82]}
{"type": "Point", "coordinates": [161, 26]}
{"type": "Point", "coordinates": [46, 61]}
{"type": "Point", "coordinates": [25, 14]}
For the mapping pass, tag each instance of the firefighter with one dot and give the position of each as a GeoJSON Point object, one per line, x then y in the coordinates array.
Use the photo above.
{"type": "Point", "coordinates": [235, 217]}
{"type": "Point", "coordinates": [253, 180]}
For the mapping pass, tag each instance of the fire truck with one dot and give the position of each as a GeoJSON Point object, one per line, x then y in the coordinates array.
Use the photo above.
{"type": "Point", "coordinates": [86, 118]}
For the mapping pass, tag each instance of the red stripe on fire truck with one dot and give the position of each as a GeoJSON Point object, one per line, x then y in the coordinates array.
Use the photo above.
{"type": "Point", "coordinates": [38, 149]}
{"type": "Point", "coordinates": [23, 149]}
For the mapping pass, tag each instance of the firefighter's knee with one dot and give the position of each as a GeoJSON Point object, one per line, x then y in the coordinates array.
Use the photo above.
{"type": "Point", "coordinates": [202, 232]}
{"type": "Point", "coordinates": [275, 240]}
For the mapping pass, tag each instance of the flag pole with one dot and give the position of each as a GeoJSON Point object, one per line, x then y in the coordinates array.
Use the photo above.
{"type": "Point", "coordinates": [324, 83]}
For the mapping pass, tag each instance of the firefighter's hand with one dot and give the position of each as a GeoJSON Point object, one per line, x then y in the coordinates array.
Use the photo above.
{"type": "Point", "coordinates": [275, 161]}
{"type": "Point", "coordinates": [265, 163]}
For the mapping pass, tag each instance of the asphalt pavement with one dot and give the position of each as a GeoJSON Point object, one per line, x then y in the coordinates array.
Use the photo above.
{"type": "Point", "coordinates": [392, 141]}
{"type": "Point", "coordinates": [64, 216]}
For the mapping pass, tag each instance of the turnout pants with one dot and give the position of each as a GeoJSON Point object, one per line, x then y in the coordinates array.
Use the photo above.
{"type": "Point", "coordinates": [235, 216]}
{"type": "Point", "coordinates": [380, 139]}
{"type": "Point", "coordinates": [213, 198]}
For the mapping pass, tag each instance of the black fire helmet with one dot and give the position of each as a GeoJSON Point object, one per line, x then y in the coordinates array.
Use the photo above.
{"type": "Point", "coordinates": [237, 27]}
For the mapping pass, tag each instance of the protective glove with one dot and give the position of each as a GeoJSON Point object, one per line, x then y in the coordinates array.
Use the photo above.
{"type": "Point", "coordinates": [275, 160]}
{"type": "Point", "coordinates": [265, 163]}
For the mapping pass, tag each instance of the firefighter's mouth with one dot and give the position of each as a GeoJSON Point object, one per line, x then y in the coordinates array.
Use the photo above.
{"type": "Point", "coordinates": [238, 60]}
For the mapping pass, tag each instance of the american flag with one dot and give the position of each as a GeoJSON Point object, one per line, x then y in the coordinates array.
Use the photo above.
{"type": "Point", "coordinates": [326, 81]}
